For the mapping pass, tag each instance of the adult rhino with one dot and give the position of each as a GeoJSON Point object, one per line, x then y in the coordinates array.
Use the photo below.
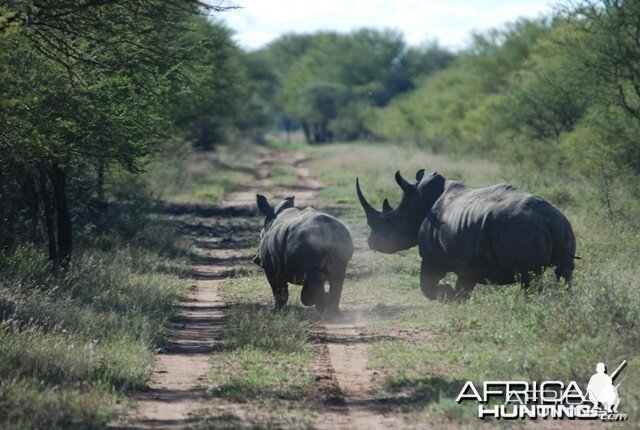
{"type": "Point", "coordinates": [303, 247]}
{"type": "Point", "coordinates": [493, 235]}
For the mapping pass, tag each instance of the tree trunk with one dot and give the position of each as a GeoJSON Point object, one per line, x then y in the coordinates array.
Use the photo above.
{"type": "Point", "coordinates": [30, 193]}
{"type": "Point", "coordinates": [307, 132]}
{"type": "Point", "coordinates": [100, 182]}
{"type": "Point", "coordinates": [63, 216]}
{"type": "Point", "coordinates": [47, 207]}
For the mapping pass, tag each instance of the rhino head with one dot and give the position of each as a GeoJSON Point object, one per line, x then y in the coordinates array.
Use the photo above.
{"type": "Point", "coordinates": [270, 214]}
{"type": "Point", "coordinates": [395, 229]}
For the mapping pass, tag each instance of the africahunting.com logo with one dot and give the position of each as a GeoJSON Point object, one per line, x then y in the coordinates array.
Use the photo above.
{"type": "Point", "coordinates": [549, 399]}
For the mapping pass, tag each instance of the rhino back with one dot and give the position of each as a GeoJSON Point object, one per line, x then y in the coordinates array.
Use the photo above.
{"type": "Point", "coordinates": [490, 234]}
{"type": "Point", "coordinates": [301, 239]}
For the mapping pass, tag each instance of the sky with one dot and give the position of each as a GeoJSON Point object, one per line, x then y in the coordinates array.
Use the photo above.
{"type": "Point", "coordinates": [448, 21]}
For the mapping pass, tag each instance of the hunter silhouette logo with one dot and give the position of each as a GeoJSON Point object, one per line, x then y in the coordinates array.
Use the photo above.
{"type": "Point", "coordinates": [549, 399]}
{"type": "Point", "coordinates": [601, 389]}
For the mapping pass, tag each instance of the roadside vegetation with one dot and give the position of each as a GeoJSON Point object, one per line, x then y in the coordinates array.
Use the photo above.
{"type": "Point", "coordinates": [68, 340]}
{"type": "Point", "coordinates": [184, 175]}
{"type": "Point", "coordinates": [89, 266]}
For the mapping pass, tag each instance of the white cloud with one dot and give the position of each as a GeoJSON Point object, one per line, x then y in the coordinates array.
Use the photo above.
{"type": "Point", "coordinates": [260, 21]}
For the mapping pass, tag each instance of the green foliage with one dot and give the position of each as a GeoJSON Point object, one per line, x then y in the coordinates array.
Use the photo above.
{"type": "Point", "coordinates": [455, 107]}
{"type": "Point", "coordinates": [89, 88]}
{"type": "Point", "coordinates": [212, 106]}
{"type": "Point", "coordinates": [319, 103]}
{"type": "Point", "coordinates": [88, 92]}
{"type": "Point", "coordinates": [328, 81]}
{"type": "Point", "coordinates": [556, 94]}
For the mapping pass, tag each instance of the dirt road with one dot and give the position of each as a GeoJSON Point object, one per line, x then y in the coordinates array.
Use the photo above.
{"type": "Point", "coordinates": [177, 389]}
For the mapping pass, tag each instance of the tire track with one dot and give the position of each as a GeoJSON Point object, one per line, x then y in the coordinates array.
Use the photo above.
{"type": "Point", "coordinates": [177, 387]}
{"type": "Point", "coordinates": [345, 349]}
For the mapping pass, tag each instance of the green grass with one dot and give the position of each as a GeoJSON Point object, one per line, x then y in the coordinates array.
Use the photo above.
{"type": "Point", "coordinates": [264, 359]}
{"type": "Point", "coordinates": [73, 343]}
{"type": "Point", "coordinates": [182, 175]}
{"type": "Point", "coordinates": [282, 175]}
{"type": "Point", "coordinates": [501, 332]}
{"type": "Point", "coordinates": [279, 141]}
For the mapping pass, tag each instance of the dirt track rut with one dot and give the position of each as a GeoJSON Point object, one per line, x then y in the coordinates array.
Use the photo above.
{"type": "Point", "coordinates": [177, 385]}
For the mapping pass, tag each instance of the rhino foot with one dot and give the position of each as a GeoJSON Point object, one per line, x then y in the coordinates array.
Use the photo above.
{"type": "Point", "coordinates": [446, 291]}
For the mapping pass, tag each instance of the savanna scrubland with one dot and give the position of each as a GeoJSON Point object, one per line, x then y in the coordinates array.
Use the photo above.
{"type": "Point", "coordinates": [111, 113]}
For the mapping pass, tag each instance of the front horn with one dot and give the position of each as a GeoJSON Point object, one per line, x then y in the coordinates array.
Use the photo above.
{"type": "Point", "coordinates": [369, 211]}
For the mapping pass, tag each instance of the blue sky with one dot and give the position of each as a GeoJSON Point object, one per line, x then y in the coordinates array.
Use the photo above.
{"type": "Point", "coordinates": [451, 22]}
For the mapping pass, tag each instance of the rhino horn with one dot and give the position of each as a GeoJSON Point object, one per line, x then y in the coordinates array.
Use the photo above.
{"type": "Point", "coordinates": [386, 207]}
{"type": "Point", "coordinates": [406, 186]}
{"type": "Point", "coordinates": [369, 211]}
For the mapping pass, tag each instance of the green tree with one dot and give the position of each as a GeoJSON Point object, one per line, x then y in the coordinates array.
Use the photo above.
{"type": "Point", "coordinates": [320, 103]}
{"type": "Point", "coordinates": [373, 65]}
{"type": "Point", "coordinates": [210, 107]}
{"type": "Point", "coordinates": [86, 85]}
{"type": "Point", "coordinates": [455, 108]}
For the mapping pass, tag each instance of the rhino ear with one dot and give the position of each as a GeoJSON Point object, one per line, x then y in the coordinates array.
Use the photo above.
{"type": "Point", "coordinates": [431, 187]}
{"type": "Point", "coordinates": [264, 206]}
{"type": "Point", "coordinates": [386, 207]}
{"type": "Point", "coordinates": [285, 204]}
{"type": "Point", "coordinates": [419, 175]}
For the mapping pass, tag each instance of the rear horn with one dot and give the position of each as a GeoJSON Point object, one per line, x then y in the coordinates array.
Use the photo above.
{"type": "Point", "coordinates": [406, 186]}
{"type": "Point", "coordinates": [386, 207]}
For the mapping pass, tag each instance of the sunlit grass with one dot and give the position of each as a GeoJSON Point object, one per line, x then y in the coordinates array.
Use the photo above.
{"type": "Point", "coordinates": [183, 175]}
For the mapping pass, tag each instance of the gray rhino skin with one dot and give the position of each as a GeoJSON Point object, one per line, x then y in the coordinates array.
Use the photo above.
{"type": "Point", "coordinates": [303, 247]}
{"type": "Point", "coordinates": [493, 235]}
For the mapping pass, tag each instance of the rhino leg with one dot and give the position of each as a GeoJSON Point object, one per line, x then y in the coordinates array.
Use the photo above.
{"type": "Point", "coordinates": [335, 291]}
{"type": "Point", "coordinates": [464, 288]}
{"type": "Point", "coordinates": [525, 279]}
{"type": "Point", "coordinates": [565, 272]}
{"type": "Point", "coordinates": [429, 280]}
{"type": "Point", "coordinates": [313, 290]}
{"type": "Point", "coordinates": [280, 294]}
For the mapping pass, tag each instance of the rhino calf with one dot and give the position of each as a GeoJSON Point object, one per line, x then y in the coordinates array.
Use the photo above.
{"type": "Point", "coordinates": [303, 247]}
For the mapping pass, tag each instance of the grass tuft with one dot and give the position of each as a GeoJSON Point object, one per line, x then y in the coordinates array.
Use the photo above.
{"type": "Point", "coordinates": [257, 326]}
